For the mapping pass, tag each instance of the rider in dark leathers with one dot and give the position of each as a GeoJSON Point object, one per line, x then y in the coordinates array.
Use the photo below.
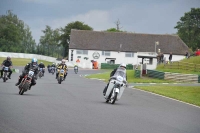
{"type": "Point", "coordinates": [53, 65]}
{"type": "Point", "coordinates": [33, 65]}
{"type": "Point", "coordinates": [41, 65]}
{"type": "Point", "coordinates": [7, 63]}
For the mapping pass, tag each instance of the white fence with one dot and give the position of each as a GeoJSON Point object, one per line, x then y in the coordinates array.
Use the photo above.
{"type": "Point", "coordinates": [28, 56]}
{"type": "Point", "coordinates": [42, 57]}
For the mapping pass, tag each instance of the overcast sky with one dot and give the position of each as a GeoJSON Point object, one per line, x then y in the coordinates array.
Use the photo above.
{"type": "Point", "coordinates": [139, 16]}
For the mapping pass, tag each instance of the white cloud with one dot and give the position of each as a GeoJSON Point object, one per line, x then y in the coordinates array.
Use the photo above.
{"type": "Point", "coordinates": [97, 19]}
{"type": "Point", "coordinates": [40, 1]}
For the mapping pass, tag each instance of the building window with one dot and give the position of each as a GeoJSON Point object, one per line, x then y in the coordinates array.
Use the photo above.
{"type": "Point", "coordinates": [106, 53]}
{"type": "Point", "coordinates": [129, 54]}
{"type": "Point", "coordinates": [85, 52]}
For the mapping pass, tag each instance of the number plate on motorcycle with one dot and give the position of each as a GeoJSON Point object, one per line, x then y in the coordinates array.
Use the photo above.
{"type": "Point", "coordinates": [6, 68]}
{"type": "Point", "coordinates": [62, 71]}
{"type": "Point", "coordinates": [30, 73]}
{"type": "Point", "coordinates": [117, 90]}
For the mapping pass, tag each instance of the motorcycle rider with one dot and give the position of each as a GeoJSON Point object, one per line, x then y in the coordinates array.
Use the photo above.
{"type": "Point", "coordinates": [63, 66]}
{"type": "Point", "coordinates": [48, 67]}
{"type": "Point", "coordinates": [76, 66]}
{"type": "Point", "coordinates": [33, 65]}
{"type": "Point", "coordinates": [41, 65]}
{"type": "Point", "coordinates": [7, 63]}
{"type": "Point", "coordinates": [123, 66]}
{"type": "Point", "coordinates": [54, 66]}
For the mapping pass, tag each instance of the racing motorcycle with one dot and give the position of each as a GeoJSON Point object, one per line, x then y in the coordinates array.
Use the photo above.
{"type": "Point", "coordinates": [40, 74]}
{"type": "Point", "coordinates": [5, 73]}
{"type": "Point", "coordinates": [26, 82]}
{"type": "Point", "coordinates": [52, 70]}
{"type": "Point", "coordinates": [61, 73]}
{"type": "Point", "coordinates": [76, 69]}
{"type": "Point", "coordinates": [116, 86]}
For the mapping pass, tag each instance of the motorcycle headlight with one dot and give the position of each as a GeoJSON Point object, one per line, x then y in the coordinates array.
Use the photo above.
{"type": "Point", "coordinates": [30, 73]}
{"type": "Point", "coordinates": [5, 68]}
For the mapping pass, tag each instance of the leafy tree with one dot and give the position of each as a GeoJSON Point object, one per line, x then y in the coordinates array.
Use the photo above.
{"type": "Point", "coordinates": [65, 33]}
{"type": "Point", "coordinates": [113, 30]}
{"type": "Point", "coordinates": [15, 36]}
{"type": "Point", "coordinates": [49, 43]}
{"type": "Point", "coordinates": [189, 28]}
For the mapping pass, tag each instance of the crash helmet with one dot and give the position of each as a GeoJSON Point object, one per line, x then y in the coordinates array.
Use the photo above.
{"type": "Point", "coordinates": [63, 61]}
{"type": "Point", "coordinates": [8, 58]}
{"type": "Point", "coordinates": [34, 61]}
{"type": "Point", "coordinates": [122, 65]}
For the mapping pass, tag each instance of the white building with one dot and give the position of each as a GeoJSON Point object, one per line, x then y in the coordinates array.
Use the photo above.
{"type": "Point", "coordinates": [115, 48]}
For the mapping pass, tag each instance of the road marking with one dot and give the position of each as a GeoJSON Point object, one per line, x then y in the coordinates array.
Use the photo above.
{"type": "Point", "coordinates": [167, 97]}
{"type": "Point", "coordinates": [152, 83]}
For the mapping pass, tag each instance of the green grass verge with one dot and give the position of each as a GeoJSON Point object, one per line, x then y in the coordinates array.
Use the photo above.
{"type": "Point", "coordinates": [194, 60]}
{"type": "Point", "coordinates": [162, 69]}
{"type": "Point", "coordinates": [130, 77]}
{"type": "Point", "coordinates": [23, 61]}
{"type": "Point", "coordinates": [189, 94]}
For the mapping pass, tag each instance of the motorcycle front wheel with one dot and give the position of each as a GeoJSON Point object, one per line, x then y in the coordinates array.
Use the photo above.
{"type": "Point", "coordinates": [114, 98]}
{"type": "Point", "coordinates": [59, 80]}
{"type": "Point", "coordinates": [24, 88]}
{"type": "Point", "coordinates": [4, 77]}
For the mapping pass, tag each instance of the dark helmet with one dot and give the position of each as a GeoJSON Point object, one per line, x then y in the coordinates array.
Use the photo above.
{"type": "Point", "coordinates": [8, 58]}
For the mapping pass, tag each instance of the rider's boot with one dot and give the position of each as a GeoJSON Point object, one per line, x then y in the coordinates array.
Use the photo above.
{"type": "Point", "coordinates": [9, 76]}
{"type": "Point", "coordinates": [105, 89]}
{"type": "Point", "coordinates": [30, 87]}
{"type": "Point", "coordinates": [19, 81]}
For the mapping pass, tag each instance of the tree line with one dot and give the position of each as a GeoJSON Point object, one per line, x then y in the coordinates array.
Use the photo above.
{"type": "Point", "coordinates": [16, 36]}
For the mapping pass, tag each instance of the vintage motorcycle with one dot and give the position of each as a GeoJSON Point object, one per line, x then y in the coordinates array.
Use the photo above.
{"type": "Point", "coordinates": [61, 73]}
{"type": "Point", "coordinates": [52, 70]}
{"type": "Point", "coordinates": [5, 73]}
{"type": "Point", "coordinates": [76, 69]}
{"type": "Point", "coordinates": [116, 86]}
{"type": "Point", "coordinates": [41, 74]}
{"type": "Point", "coordinates": [26, 82]}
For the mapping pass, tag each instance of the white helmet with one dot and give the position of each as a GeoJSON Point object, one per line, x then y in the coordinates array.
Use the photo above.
{"type": "Point", "coordinates": [63, 61]}
{"type": "Point", "coordinates": [122, 65]}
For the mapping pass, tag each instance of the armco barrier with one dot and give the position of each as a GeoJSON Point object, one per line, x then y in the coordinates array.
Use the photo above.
{"type": "Point", "coordinates": [155, 74]}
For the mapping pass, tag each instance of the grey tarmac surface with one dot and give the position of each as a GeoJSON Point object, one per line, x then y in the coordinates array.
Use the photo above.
{"type": "Point", "coordinates": [77, 106]}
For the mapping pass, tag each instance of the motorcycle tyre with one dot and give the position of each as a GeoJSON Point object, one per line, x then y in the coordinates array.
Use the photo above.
{"type": "Point", "coordinates": [59, 80]}
{"type": "Point", "coordinates": [22, 90]}
{"type": "Point", "coordinates": [114, 98]}
{"type": "Point", "coordinates": [4, 77]}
